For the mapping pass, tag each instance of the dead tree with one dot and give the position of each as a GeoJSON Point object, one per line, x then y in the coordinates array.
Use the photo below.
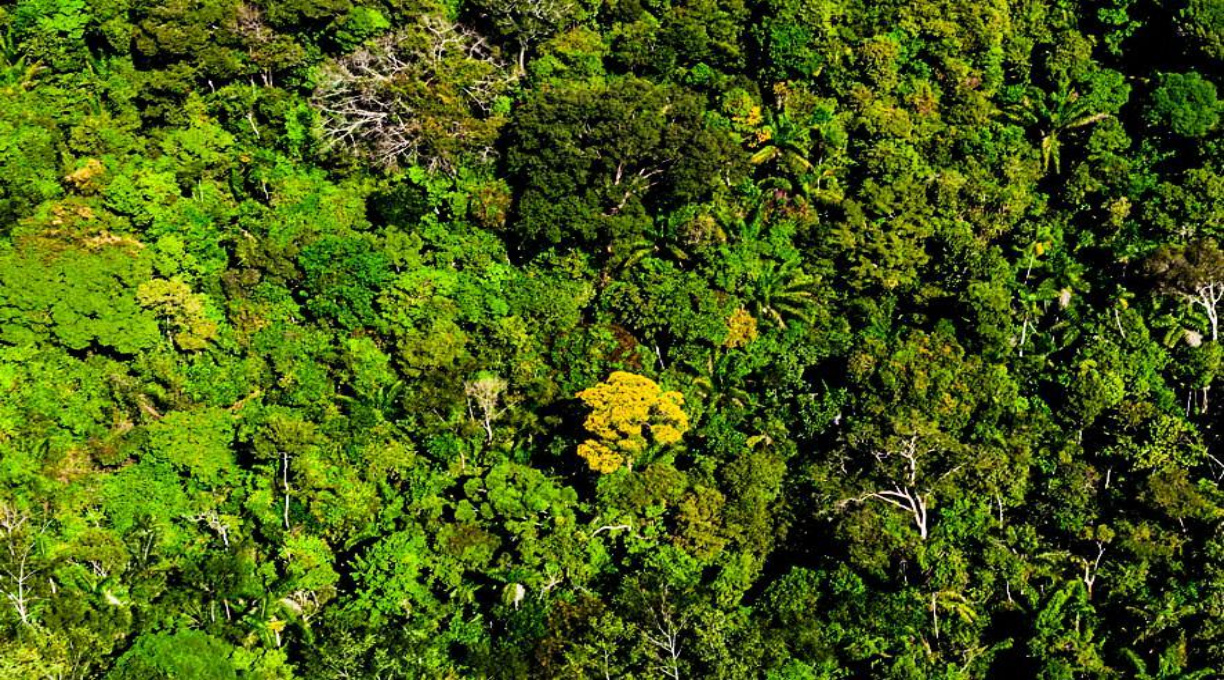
{"type": "Point", "coordinates": [423, 94]}
{"type": "Point", "coordinates": [215, 522]}
{"type": "Point", "coordinates": [908, 500]}
{"type": "Point", "coordinates": [285, 483]}
{"type": "Point", "coordinates": [20, 534]}
{"type": "Point", "coordinates": [526, 22]}
{"type": "Point", "coordinates": [1092, 567]}
{"type": "Point", "coordinates": [1195, 273]}
{"type": "Point", "coordinates": [905, 491]}
{"type": "Point", "coordinates": [486, 394]}
{"type": "Point", "coordinates": [663, 633]}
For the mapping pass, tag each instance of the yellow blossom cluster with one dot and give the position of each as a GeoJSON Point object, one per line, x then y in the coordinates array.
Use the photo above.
{"type": "Point", "coordinates": [629, 413]}
{"type": "Point", "coordinates": [741, 329]}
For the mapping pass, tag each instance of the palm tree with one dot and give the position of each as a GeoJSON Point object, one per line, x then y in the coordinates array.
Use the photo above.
{"type": "Point", "coordinates": [805, 157]}
{"type": "Point", "coordinates": [15, 72]}
{"type": "Point", "coordinates": [1054, 114]}
{"type": "Point", "coordinates": [383, 399]}
{"type": "Point", "coordinates": [712, 385]}
{"type": "Point", "coordinates": [782, 291]}
{"type": "Point", "coordinates": [628, 254]}
{"type": "Point", "coordinates": [787, 145]}
{"type": "Point", "coordinates": [1170, 666]}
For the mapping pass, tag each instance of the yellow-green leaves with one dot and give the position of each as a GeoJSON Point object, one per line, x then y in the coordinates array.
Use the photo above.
{"type": "Point", "coordinates": [174, 301]}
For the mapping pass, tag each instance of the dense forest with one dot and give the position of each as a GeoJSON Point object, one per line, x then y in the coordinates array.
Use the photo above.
{"type": "Point", "coordinates": [785, 339]}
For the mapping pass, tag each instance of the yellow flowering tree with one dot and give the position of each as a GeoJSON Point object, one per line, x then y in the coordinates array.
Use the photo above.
{"type": "Point", "coordinates": [629, 413]}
